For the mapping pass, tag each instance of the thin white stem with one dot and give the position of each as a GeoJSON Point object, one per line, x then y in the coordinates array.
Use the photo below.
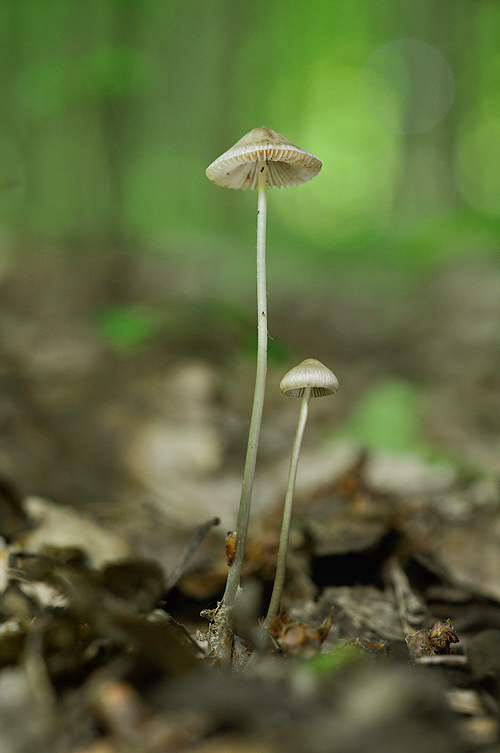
{"type": "Point", "coordinates": [234, 574]}
{"type": "Point", "coordinates": [279, 578]}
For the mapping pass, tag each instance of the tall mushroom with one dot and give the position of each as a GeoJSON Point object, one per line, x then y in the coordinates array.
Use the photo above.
{"type": "Point", "coordinates": [260, 159]}
{"type": "Point", "coordinates": [309, 379]}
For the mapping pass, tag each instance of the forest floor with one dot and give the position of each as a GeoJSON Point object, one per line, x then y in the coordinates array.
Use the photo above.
{"type": "Point", "coordinates": [124, 408]}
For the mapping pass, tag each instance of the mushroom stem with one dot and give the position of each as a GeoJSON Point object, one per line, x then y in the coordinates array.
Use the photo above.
{"type": "Point", "coordinates": [279, 578]}
{"type": "Point", "coordinates": [234, 574]}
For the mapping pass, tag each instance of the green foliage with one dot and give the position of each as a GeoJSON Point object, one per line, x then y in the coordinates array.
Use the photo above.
{"type": "Point", "coordinates": [116, 72]}
{"type": "Point", "coordinates": [345, 655]}
{"type": "Point", "coordinates": [127, 328]}
{"type": "Point", "coordinates": [12, 177]}
{"type": "Point", "coordinates": [50, 85]}
{"type": "Point", "coordinates": [388, 418]}
{"type": "Point", "coordinates": [45, 87]}
{"type": "Point", "coordinates": [113, 111]}
{"type": "Point", "coordinates": [278, 352]}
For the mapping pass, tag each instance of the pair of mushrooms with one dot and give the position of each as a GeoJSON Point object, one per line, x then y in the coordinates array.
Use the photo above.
{"type": "Point", "coordinates": [260, 159]}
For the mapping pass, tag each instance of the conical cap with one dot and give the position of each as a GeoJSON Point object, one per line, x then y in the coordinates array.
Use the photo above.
{"type": "Point", "coordinates": [310, 373]}
{"type": "Point", "coordinates": [288, 165]}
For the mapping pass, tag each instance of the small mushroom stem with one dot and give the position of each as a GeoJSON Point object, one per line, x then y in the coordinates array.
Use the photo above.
{"type": "Point", "coordinates": [279, 578]}
{"type": "Point", "coordinates": [234, 574]}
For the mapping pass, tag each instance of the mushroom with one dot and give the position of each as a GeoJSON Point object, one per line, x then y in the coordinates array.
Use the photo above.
{"type": "Point", "coordinates": [309, 379]}
{"type": "Point", "coordinates": [261, 158]}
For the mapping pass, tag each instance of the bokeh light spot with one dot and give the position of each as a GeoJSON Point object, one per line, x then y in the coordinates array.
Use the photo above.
{"type": "Point", "coordinates": [406, 86]}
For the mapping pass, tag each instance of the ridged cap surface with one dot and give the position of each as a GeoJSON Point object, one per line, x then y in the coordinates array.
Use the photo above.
{"type": "Point", "coordinates": [287, 164]}
{"type": "Point", "coordinates": [310, 373]}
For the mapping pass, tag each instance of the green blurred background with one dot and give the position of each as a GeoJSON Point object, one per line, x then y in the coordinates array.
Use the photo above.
{"type": "Point", "coordinates": [111, 111]}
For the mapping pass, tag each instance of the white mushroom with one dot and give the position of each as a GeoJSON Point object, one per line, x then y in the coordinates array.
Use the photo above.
{"type": "Point", "coordinates": [260, 159]}
{"type": "Point", "coordinates": [309, 379]}
{"type": "Point", "coordinates": [288, 165]}
{"type": "Point", "coordinates": [310, 374]}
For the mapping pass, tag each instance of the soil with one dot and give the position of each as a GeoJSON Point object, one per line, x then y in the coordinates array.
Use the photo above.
{"type": "Point", "coordinates": [124, 407]}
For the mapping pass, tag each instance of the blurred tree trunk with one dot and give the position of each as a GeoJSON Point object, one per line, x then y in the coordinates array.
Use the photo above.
{"type": "Point", "coordinates": [427, 180]}
{"type": "Point", "coordinates": [224, 128]}
{"type": "Point", "coordinates": [124, 19]}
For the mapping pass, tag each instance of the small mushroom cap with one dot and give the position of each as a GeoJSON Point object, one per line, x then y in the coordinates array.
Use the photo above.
{"type": "Point", "coordinates": [287, 164]}
{"type": "Point", "coordinates": [310, 373]}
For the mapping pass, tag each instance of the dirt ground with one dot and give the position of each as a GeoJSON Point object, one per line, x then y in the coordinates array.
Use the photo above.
{"type": "Point", "coordinates": [124, 407]}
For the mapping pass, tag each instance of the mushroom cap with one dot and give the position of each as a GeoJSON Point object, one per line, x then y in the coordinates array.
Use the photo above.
{"type": "Point", "coordinates": [310, 373]}
{"type": "Point", "coordinates": [287, 164]}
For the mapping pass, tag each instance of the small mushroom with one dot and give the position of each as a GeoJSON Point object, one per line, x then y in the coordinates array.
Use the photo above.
{"type": "Point", "coordinates": [309, 375]}
{"type": "Point", "coordinates": [287, 164]}
{"type": "Point", "coordinates": [260, 159]}
{"type": "Point", "coordinates": [309, 379]}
